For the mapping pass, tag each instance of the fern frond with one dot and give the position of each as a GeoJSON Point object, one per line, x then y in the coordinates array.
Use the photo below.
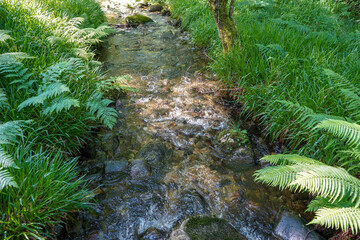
{"type": "Point", "coordinates": [12, 57]}
{"type": "Point", "coordinates": [9, 131]}
{"type": "Point", "coordinates": [305, 116]}
{"type": "Point", "coordinates": [284, 159]}
{"type": "Point", "coordinates": [6, 180]}
{"type": "Point", "coordinates": [346, 131]}
{"type": "Point", "coordinates": [99, 107]}
{"type": "Point", "coordinates": [59, 104]}
{"type": "Point", "coordinates": [5, 159]}
{"type": "Point", "coordinates": [320, 202]}
{"type": "Point", "coordinates": [327, 182]}
{"type": "Point", "coordinates": [353, 103]}
{"type": "Point", "coordinates": [277, 176]}
{"type": "Point", "coordinates": [50, 91]}
{"type": "Point", "coordinates": [3, 99]}
{"type": "Point", "coordinates": [340, 81]}
{"type": "Point", "coordinates": [4, 36]}
{"type": "Point", "coordinates": [339, 218]}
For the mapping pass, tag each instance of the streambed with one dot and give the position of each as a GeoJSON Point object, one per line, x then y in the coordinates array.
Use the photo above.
{"type": "Point", "coordinates": [175, 151]}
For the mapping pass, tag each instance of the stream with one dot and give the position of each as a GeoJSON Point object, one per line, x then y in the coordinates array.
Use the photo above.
{"type": "Point", "coordinates": [176, 151]}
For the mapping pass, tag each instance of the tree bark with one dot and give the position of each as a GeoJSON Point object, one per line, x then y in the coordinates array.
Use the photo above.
{"type": "Point", "coordinates": [225, 25]}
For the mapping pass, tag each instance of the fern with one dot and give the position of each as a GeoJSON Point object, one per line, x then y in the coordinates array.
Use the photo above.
{"type": "Point", "coordinates": [338, 192]}
{"type": "Point", "coordinates": [284, 159]}
{"type": "Point", "coordinates": [4, 36]}
{"type": "Point", "coordinates": [328, 182]}
{"type": "Point", "coordinates": [8, 133]}
{"type": "Point", "coordinates": [349, 132]}
{"type": "Point", "coordinates": [276, 176]}
{"type": "Point", "coordinates": [339, 218]}
{"type": "Point", "coordinates": [61, 103]}
{"type": "Point", "coordinates": [98, 107]}
{"type": "Point", "coordinates": [50, 91]}
{"type": "Point", "coordinates": [3, 100]}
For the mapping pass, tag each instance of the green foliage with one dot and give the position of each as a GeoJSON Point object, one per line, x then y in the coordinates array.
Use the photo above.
{"type": "Point", "coordinates": [48, 80]}
{"type": "Point", "coordinates": [338, 192]}
{"type": "Point", "coordinates": [99, 107]}
{"type": "Point", "coordinates": [49, 189]}
{"type": "Point", "coordinates": [8, 133]}
{"type": "Point", "coordinates": [114, 87]}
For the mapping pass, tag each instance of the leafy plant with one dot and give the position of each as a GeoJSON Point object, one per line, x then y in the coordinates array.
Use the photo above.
{"type": "Point", "coordinates": [8, 132]}
{"type": "Point", "coordinates": [114, 87]}
{"type": "Point", "coordinates": [338, 192]}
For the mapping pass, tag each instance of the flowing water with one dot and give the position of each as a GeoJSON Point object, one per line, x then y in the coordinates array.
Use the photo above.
{"type": "Point", "coordinates": [174, 152]}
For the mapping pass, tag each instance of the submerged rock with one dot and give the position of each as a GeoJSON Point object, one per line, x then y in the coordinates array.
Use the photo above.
{"type": "Point", "coordinates": [153, 234]}
{"type": "Point", "coordinates": [139, 169]}
{"type": "Point", "coordinates": [206, 228]}
{"type": "Point", "coordinates": [155, 8]}
{"type": "Point", "coordinates": [137, 19]}
{"type": "Point", "coordinates": [153, 153]}
{"type": "Point", "coordinates": [115, 166]}
{"type": "Point", "coordinates": [291, 227]}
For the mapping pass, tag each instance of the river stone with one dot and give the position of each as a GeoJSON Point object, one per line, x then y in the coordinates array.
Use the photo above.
{"type": "Point", "coordinates": [153, 153]}
{"type": "Point", "coordinates": [291, 227]}
{"type": "Point", "coordinates": [155, 8]}
{"type": "Point", "coordinates": [137, 19]}
{"type": "Point", "coordinates": [206, 228]}
{"type": "Point", "coordinates": [242, 158]}
{"type": "Point", "coordinates": [139, 169]}
{"type": "Point", "coordinates": [115, 166]}
{"type": "Point", "coordinates": [153, 234]}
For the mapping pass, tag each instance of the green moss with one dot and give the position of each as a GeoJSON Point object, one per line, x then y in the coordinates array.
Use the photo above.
{"type": "Point", "coordinates": [137, 19]}
{"type": "Point", "coordinates": [210, 228]}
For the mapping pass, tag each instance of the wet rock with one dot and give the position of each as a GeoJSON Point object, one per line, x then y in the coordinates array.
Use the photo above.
{"type": "Point", "coordinates": [206, 228]}
{"type": "Point", "coordinates": [139, 169]}
{"type": "Point", "coordinates": [179, 234]}
{"type": "Point", "coordinates": [242, 158]}
{"type": "Point", "coordinates": [137, 19]}
{"type": "Point", "coordinates": [97, 236]}
{"type": "Point", "coordinates": [155, 8]}
{"type": "Point", "coordinates": [153, 153]}
{"type": "Point", "coordinates": [119, 104]}
{"type": "Point", "coordinates": [115, 166]}
{"type": "Point", "coordinates": [168, 35]}
{"type": "Point", "coordinates": [291, 227]}
{"type": "Point", "coordinates": [193, 203]}
{"type": "Point", "coordinates": [153, 234]}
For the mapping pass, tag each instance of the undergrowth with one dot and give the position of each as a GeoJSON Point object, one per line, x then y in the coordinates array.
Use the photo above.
{"type": "Point", "coordinates": [50, 102]}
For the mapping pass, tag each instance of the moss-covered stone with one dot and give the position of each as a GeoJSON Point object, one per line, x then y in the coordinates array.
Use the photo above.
{"type": "Point", "coordinates": [137, 19]}
{"type": "Point", "coordinates": [210, 228]}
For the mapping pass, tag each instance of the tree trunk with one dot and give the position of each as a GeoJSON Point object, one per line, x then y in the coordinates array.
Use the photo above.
{"type": "Point", "coordinates": [225, 25]}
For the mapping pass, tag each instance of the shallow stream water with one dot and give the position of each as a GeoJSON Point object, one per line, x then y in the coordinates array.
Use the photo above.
{"type": "Point", "coordinates": [174, 152]}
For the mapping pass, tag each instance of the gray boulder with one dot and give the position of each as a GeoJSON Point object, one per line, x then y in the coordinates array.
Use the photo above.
{"type": "Point", "coordinates": [292, 227]}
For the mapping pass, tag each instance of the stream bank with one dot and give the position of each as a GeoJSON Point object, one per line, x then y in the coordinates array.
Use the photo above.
{"type": "Point", "coordinates": [175, 153]}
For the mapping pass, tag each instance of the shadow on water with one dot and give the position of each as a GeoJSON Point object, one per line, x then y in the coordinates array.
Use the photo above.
{"type": "Point", "coordinates": [173, 153]}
